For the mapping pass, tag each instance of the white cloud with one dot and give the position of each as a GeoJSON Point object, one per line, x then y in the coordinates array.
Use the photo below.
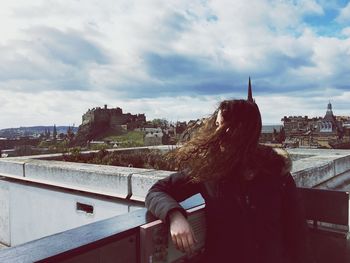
{"type": "Point", "coordinates": [67, 107]}
{"type": "Point", "coordinates": [153, 56]}
{"type": "Point", "coordinates": [346, 32]}
{"type": "Point", "coordinates": [344, 14]}
{"type": "Point", "coordinates": [311, 7]}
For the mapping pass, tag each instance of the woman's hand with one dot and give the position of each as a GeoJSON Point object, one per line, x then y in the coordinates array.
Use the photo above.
{"type": "Point", "coordinates": [181, 232]}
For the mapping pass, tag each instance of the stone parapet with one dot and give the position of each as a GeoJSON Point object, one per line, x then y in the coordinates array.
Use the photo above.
{"type": "Point", "coordinates": [5, 236]}
{"type": "Point", "coordinates": [12, 167]}
{"type": "Point", "coordinates": [92, 178]}
{"type": "Point", "coordinates": [141, 182]}
{"type": "Point", "coordinates": [311, 168]}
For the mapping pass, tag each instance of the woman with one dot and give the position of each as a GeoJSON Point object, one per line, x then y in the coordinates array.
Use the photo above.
{"type": "Point", "coordinates": [252, 210]}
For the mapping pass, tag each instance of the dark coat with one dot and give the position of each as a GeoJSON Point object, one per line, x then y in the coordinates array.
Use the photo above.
{"type": "Point", "coordinates": [259, 220]}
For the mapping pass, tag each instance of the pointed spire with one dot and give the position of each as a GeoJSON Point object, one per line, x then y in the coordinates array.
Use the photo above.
{"type": "Point", "coordinates": [250, 96]}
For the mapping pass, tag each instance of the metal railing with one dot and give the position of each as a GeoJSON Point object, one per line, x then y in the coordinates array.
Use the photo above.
{"type": "Point", "coordinates": [139, 237]}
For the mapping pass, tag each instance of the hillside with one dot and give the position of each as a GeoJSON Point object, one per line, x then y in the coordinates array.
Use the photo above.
{"type": "Point", "coordinates": [32, 131]}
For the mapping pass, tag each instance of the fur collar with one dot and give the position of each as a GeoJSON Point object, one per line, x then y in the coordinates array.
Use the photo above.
{"type": "Point", "coordinates": [272, 160]}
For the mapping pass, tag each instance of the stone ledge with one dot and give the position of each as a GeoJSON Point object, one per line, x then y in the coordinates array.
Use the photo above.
{"type": "Point", "coordinates": [142, 182]}
{"type": "Point", "coordinates": [12, 167]}
{"type": "Point", "coordinates": [316, 167]}
{"type": "Point", "coordinates": [100, 178]}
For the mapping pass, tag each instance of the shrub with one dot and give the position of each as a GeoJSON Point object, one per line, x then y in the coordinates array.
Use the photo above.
{"type": "Point", "coordinates": [151, 159]}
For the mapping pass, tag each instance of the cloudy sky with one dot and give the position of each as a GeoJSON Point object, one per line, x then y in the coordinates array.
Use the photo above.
{"type": "Point", "coordinates": [171, 59]}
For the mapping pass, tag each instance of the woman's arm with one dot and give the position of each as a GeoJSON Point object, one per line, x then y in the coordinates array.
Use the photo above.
{"type": "Point", "coordinates": [164, 196]}
{"type": "Point", "coordinates": [163, 201]}
{"type": "Point", "coordinates": [181, 232]}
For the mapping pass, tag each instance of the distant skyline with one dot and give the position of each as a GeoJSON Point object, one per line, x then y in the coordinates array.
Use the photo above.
{"type": "Point", "coordinates": [171, 59]}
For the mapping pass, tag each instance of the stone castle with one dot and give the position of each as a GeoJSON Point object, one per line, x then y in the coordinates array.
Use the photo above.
{"type": "Point", "coordinates": [115, 118]}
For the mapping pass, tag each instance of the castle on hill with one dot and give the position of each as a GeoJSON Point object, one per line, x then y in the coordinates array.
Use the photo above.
{"type": "Point", "coordinates": [114, 118]}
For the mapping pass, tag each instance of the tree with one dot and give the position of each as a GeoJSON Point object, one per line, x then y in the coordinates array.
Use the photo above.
{"type": "Point", "coordinates": [281, 135]}
{"type": "Point", "coordinates": [54, 133]}
{"type": "Point", "coordinates": [70, 133]}
{"type": "Point", "coordinates": [61, 135]}
{"type": "Point", "coordinates": [162, 123]}
{"type": "Point", "coordinates": [47, 133]}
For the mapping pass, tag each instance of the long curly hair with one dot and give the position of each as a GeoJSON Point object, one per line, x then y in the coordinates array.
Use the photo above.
{"type": "Point", "coordinates": [214, 151]}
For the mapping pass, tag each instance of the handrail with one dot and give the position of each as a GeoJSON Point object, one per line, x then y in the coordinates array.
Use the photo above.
{"type": "Point", "coordinates": [80, 240]}
{"type": "Point", "coordinates": [98, 236]}
{"type": "Point", "coordinates": [76, 241]}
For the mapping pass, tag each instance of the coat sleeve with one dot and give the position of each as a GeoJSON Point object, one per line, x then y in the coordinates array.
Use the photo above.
{"type": "Point", "coordinates": [165, 195]}
{"type": "Point", "coordinates": [294, 224]}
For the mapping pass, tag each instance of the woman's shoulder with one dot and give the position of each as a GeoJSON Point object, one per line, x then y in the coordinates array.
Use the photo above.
{"type": "Point", "coordinates": [274, 161]}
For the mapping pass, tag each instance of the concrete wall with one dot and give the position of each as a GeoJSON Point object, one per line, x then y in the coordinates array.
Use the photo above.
{"type": "Point", "coordinates": [36, 211]}
{"type": "Point", "coordinates": [96, 178]}
{"type": "Point", "coordinates": [312, 176]}
{"type": "Point", "coordinates": [122, 182]}
{"type": "Point", "coordinates": [5, 237]}
{"type": "Point", "coordinates": [12, 167]}
{"type": "Point", "coordinates": [321, 167]}
{"type": "Point", "coordinates": [39, 197]}
{"type": "Point", "coordinates": [312, 168]}
{"type": "Point", "coordinates": [141, 182]}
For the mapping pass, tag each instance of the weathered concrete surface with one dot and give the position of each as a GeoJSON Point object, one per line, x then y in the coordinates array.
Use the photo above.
{"type": "Point", "coordinates": [38, 211]}
{"type": "Point", "coordinates": [5, 237]}
{"type": "Point", "coordinates": [12, 167]}
{"type": "Point", "coordinates": [315, 157]}
{"type": "Point", "coordinates": [311, 168]}
{"type": "Point", "coordinates": [319, 166]}
{"type": "Point", "coordinates": [141, 182]}
{"type": "Point", "coordinates": [311, 176]}
{"type": "Point", "coordinates": [340, 182]}
{"type": "Point", "coordinates": [110, 180]}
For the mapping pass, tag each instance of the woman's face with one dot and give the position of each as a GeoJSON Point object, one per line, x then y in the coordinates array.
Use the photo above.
{"type": "Point", "coordinates": [219, 120]}
{"type": "Point", "coordinates": [219, 123]}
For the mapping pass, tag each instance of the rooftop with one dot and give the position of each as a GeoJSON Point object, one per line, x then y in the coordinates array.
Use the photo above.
{"type": "Point", "coordinates": [94, 213]}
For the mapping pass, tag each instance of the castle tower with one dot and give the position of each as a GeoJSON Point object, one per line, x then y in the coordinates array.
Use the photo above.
{"type": "Point", "coordinates": [250, 95]}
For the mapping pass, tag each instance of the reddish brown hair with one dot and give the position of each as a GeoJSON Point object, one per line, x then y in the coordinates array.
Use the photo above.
{"type": "Point", "coordinates": [213, 153]}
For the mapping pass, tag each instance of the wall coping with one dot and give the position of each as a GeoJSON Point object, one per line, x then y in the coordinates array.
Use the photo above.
{"type": "Point", "coordinates": [307, 172]}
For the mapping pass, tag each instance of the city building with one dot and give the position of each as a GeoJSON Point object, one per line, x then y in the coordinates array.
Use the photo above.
{"type": "Point", "coordinates": [317, 132]}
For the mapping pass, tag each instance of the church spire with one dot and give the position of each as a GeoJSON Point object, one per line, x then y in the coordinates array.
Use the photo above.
{"type": "Point", "coordinates": [250, 96]}
{"type": "Point", "coordinates": [329, 113]}
{"type": "Point", "coordinates": [329, 107]}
